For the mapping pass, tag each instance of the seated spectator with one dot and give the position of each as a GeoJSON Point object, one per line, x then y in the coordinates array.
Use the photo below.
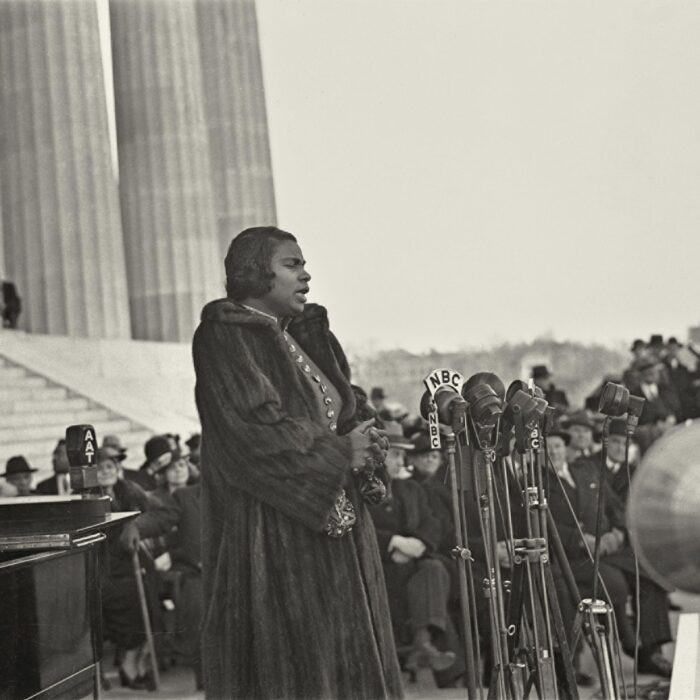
{"type": "Point", "coordinates": [121, 611]}
{"type": "Point", "coordinates": [616, 473]}
{"type": "Point", "coordinates": [639, 352]}
{"type": "Point", "coordinates": [172, 473]}
{"type": "Point", "coordinates": [180, 517]}
{"type": "Point", "coordinates": [115, 442]}
{"type": "Point", "coordinates": [660, 398]}
{"type": "Point", "coordinates": [59, 483]}
{"type": "Point", "coordinates": [377, 398]}
{"type": "Point", "coordinates": [580, 427]}
{"type": "Point", "coordinates": [157, 450]}
{"type": "Point", "coordinates": [11, 304]}
{"type": "Point", "coordinates": [177, 474]}
{"type": "Point", "coordinates": [418, 585]}
{"type": "Point", "coordinates": [646, 435]}
{"type": "Point", "coordinates": [18, 473]}
{"type": "Point", "coordinates": [194, 444]}
{"type": "Point", "coordinates": [393, 412]}
{"type": "Point", "coordinates": [578, 485]}
{"type": "Point", "coordinates": [427, 464]}
{"type": "Point", "coordinates": [656, 348]}
{"type": "Point", "coordinates": [543, 379]}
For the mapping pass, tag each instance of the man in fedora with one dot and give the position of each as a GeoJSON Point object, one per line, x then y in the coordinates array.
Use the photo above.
{"type": "Point", "coordinates": [158, 451]}
{"type": "Point", "coordinates": [639, 351]}
{"type": "Point", "coordinates": [573, 502]}
{"type": "Point", "coordinates": [59, 483]}
{"type": "Point", "coordinates": [418, 585]}
{"type": "Point", "coordinates": [543, 379]}
{"type": "Point", "coordinates": [661, 398]}
{"type": "Point", "coordinates": [580, 427]}
{"type": "Point", "coordinates": [18, 473]}
{"type": "Point", "coordinates": [377, 398]}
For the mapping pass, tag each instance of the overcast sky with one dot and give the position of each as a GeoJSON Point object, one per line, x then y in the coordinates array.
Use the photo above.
{"type": "Point", "coordinates": [460, 173]}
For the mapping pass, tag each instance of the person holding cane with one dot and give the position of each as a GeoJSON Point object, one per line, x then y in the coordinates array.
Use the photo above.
{"type": "Point", "coordinates": [294, 598]}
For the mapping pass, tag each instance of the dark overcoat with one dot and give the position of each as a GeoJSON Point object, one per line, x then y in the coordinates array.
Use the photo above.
{"type": "Point", "coordinates": [584, 499]}
{"type": "Point", "coordinates": [289, 611]}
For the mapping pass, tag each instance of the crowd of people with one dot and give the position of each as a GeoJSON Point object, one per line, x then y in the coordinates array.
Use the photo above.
{"type": "Point", "coordinates": [416, 530]}
{"type": "Point", "coordinates": [414, 527]}
{"type": "Point", "coordinates": [166, 536]}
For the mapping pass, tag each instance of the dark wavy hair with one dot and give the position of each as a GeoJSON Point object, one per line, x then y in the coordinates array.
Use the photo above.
{"type": "Point", "coordinates": [248, 261]}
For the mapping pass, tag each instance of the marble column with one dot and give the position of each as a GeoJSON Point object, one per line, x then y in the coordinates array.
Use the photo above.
{"type": "Point", "coordinates": [60, 206]}
{"type": "Point", "coordinates": [236, 117]}
{"type": "Point", "coordinates": [173, 261]}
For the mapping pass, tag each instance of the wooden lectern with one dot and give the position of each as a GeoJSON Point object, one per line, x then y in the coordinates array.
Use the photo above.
{"type": "Point", "coordinates": [51, 551]}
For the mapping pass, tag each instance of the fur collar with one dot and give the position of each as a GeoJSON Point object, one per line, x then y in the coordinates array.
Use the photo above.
{"type": "Point", "coordinates": [228, 311]}
{"type": "Point", "coordinates": [310, 329]}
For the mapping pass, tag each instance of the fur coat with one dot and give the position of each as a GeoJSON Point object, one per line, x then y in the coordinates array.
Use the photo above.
{"type": "Point", "coordinates": [289, 611]}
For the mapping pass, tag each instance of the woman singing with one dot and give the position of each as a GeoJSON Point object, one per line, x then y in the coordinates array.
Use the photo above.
{"type": "Point", "coordinates": [295, 603]}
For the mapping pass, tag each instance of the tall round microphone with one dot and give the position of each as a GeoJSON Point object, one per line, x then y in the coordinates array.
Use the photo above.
{"type": "Point", "coordinates": [488, 378]}
{"type": "Point", "coordinates": [445, 399]}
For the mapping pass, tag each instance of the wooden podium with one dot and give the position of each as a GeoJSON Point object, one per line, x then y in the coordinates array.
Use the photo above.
{"type": "Point", "coordinates": [51, 551]}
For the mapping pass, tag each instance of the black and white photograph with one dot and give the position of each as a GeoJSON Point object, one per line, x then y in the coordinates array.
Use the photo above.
{"type": "Point", "coordinates": [348, 349]}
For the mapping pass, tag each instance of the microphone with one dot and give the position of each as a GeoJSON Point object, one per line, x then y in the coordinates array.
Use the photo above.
{"type": "Point", "coordinates": [81, 448]}
{"type": "Point", "coordinates": [445, 401]}
{"type": "Point", "coordinates": [523, 413]}
{"type": "Point", "coordinates": [488, 378]}
{"type": "Point", "coordinates": [616, 400]}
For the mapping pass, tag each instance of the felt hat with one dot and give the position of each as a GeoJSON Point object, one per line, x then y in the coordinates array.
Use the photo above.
{"type": "Point", "coordinates": [194, 442]}
{"type": "Point", "coordinates": [395, 436]}
{"type": "Point", "coordinates": [638, 343]}
{"type": "Point", "coordinates": [156, 446]}
{"type": "Point", "coordinates": [108, 452]}
{"type": "Point", "coordinates": [421, 443]}
{"type": "Point", "coordinates": [114, 442]}
{"type": "Point", "coordinates": [581, 418]}
{"type": "Point", "coordinates": [17, 465]}
{"type": "Point", "coordinates": [168, 458]}
{"type": "Point", "coordinates": [541, 372]}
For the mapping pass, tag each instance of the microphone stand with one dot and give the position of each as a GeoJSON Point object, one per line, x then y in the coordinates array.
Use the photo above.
{"type": "Point", "coordinates": [595, 616]}
{"type": "Point", "coordinates": [493, 585]}
{"type": "Point", "coordinates": [532, 565]}
{"type": "Point", "coordinates": [461, 552]}
{"type": "Point", "coordinates": [601, 504]}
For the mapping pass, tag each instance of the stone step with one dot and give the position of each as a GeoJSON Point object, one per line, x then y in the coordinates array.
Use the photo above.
{"type": "Point", "coordinates": [11, 394]}
{"type": "Point", "coordinates": [56, 417]}
{"type": "Point", "coordinates": [23, 382]}
{"type": "Point", "coordinates": [7, 373]}
{"type": "Point", "coordinates": [39, 432]}
{"type": "Point", "coordinates": [40, 406]}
